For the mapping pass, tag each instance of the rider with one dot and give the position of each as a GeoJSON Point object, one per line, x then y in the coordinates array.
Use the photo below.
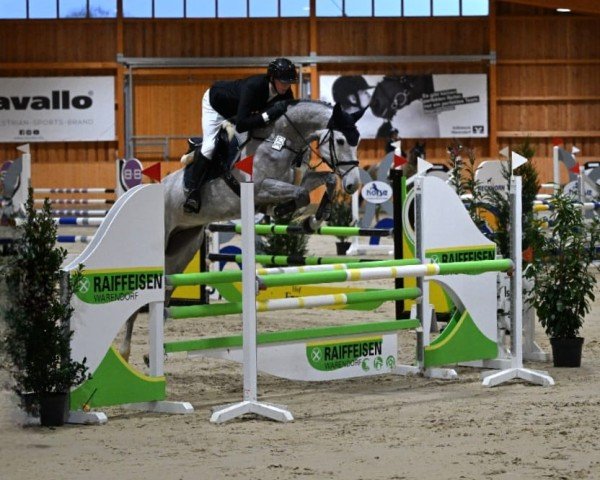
{"type": "Point", "coordinates": [248, 103]}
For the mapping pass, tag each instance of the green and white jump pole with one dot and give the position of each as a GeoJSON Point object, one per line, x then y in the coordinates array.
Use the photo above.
{"type": "Point", "coordinates": [297, 229]}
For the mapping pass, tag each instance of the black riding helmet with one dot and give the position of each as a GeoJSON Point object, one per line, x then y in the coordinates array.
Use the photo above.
{"type": "Point", "coordinates": [348, 85]}
{"type": "Point", "coordinates": [283, 70]}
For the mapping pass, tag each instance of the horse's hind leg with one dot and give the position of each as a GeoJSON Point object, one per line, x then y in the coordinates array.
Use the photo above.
{"type": "Point", "coordinates": [181, 248]}
{"type": "Point", "coordinates": [125, 348]}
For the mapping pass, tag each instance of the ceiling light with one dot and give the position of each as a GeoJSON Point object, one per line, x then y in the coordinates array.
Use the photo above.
{"type": "Point", "coordinates": [563, 10]}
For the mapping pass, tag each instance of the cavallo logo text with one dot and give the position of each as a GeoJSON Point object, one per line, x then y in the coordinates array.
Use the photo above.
{"type": "Point", "coordinates": [57, 100]}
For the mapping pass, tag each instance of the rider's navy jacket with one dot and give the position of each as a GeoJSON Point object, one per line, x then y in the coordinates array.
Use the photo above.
{"type": "Point", "coordinates": [244, 99]}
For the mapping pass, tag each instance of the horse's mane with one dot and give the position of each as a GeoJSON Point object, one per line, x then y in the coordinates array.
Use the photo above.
{"type": "Point", "coordinates": [298, 101]}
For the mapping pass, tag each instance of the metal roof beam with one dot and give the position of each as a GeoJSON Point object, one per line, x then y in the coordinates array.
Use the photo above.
{"type": "Point", "coordinates": [185, 62]}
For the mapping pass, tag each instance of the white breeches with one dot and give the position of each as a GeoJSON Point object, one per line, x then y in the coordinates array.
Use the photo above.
{"type": "Point", "coordinates": [211, 123]}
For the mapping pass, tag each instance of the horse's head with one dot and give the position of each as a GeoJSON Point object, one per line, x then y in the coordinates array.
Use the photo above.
{"type": "Point", "coordinates": [394, 93]}
{"type": "Point", "coordinates": [338, 145]}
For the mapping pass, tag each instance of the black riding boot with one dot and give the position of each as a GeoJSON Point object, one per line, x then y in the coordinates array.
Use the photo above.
{"type": "Point", "coordinates": [193, 177]}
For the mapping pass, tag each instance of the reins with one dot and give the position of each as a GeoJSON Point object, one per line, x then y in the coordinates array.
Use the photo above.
{"type": "Point", "coordinates": [333, 163]}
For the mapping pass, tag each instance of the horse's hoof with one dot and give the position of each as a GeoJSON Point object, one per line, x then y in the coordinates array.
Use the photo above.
{"type": "Point", "coordinates": [191, 205]}
{"type": "Point", "coordinates": [310, 224]}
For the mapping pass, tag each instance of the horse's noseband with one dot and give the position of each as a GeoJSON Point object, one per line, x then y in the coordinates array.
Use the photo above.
{"type": "Point", "coordinates": [334, 163]}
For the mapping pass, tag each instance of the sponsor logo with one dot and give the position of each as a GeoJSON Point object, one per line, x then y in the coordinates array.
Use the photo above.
{"type": "Point", "coordinates": [117, 286]}
{"type": "Point", "coordinates": [346, 353]}
{"type": "Point", "coordinates": [462, 255]}
{"type": "Point", "coordinates": [376, 192]}
{"type": "Point", "coordinates": [58, 100]}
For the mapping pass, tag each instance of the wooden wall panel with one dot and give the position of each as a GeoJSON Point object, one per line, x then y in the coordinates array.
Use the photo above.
{"type": "Point", "coordinates": [548, 82]}
{"type": "Point", "coordinates": [58, 40]}
{"type": "Point", "coordinates": [216, 38]}
{"type": "Point", "coordinates": [548, 37]}
{"type": "Point", "coordinates": [403, 36]}
{"type": "Point", "coordinates": [535, 80]}
{"type": "Point", "coordinates": [556, 116]}
{"type": "Point", "coordinates": [548, 71]}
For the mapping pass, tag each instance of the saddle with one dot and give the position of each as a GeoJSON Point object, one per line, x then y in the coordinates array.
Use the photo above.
{"type": "Point", "coordinates": [226, 153]}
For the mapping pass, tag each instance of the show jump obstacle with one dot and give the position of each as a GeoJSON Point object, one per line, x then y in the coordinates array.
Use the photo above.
{"type": "Point", "coordinates": [124, 270]}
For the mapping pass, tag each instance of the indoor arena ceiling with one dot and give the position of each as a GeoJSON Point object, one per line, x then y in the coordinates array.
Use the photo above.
{"type": "Point", "coordinates": [576, 6]}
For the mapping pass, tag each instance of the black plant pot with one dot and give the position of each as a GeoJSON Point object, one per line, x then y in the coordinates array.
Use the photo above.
{"type": "Point", "coordinates": [566, 352]}
{"type": "Point", "coordinates": [30, 404]}
{"type": "Point", "coordinates": [342, 247]}
{"type": "Point", "coordinates": [53, 409]}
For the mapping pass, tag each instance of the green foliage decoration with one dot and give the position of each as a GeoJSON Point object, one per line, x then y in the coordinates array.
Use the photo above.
{"type": "Point", "coordinates": [36, 338]}
{"type": "Point", "coordinates": [341, 212]}
{"type": "Point", "coordinates": [296, 244]}
{"type": "Point", "coordinates": [563, 279]}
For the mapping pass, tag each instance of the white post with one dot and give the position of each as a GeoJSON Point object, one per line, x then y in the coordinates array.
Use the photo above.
{"type": "Point", "coordinates": [20, 197]}
{"type": "Point", "coordinates": [516, 286]}
{"type": "Point", "coordinates": [119, 163]}
{"type": "Point", "coordinates": [249, 403]}
{"type": "Point", "coordinates": [556, 168]}
{"type": "Point", "coordinates": [423, 307]}
{"type": "Point", "coordinates": [249, 292]}
{"type": "Point", "coordinates": [157, 337]}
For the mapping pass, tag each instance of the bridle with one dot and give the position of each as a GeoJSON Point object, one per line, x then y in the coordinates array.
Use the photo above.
{"type": "Point", "coordinates": [332, 162]}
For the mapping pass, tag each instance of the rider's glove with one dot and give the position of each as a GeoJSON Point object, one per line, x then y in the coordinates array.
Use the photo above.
{"type": "Point", "coordinates": [229, 128]}
{"type": "Point", "coordinates": [275, 111]}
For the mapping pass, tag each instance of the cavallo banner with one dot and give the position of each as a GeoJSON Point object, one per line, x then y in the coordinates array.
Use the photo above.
{"type": "Point", "coordinates": [57, 109]}
{"type": "Point", "coordinates": [416, 106]}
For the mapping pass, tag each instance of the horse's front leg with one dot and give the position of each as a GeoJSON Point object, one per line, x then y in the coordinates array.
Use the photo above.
{"type": "Point", "coordinates": [286, 197]}
{"type": "Point", "coordinates": [312, 180]}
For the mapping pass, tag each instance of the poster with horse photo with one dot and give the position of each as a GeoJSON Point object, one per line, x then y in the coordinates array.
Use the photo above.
{"type": "Point", "coordinates": [416, 106]}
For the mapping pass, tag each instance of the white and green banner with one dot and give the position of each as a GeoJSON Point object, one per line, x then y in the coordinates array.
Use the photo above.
{"type": "Point", "coordinates": [57, 109]}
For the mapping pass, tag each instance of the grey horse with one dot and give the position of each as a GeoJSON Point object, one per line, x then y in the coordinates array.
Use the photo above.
{"type": "Point", "coordinates": [278, 149]}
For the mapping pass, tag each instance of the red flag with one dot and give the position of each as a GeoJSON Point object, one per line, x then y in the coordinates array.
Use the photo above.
{"type": "Point", "coordinates": [575, 169]}
{"type": "Point", "coordinates": [556, 141]}
{"type": "Point", "coordinates": [153, 172]}
{"type": "Point", "coordinates": [246, 165]}
{"type": "Point", "coordinates": [399, 159]}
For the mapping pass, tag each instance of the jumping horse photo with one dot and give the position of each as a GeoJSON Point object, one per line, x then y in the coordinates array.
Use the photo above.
{"type": "Point", "coordinates": [278, 150]}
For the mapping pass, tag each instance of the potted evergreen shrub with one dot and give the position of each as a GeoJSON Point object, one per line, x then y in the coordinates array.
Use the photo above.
{"type": "Point", "coordinates": [341, 216]}
{"type": "Point", "coordinates": [563, 279]}
{"type": "Point", "coordinates": [36, 339]}
{"type": "Point", "coordinates": [296, 244]}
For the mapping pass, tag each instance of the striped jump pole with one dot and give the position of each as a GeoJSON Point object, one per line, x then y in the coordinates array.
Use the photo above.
{"type": "Point", "coordinates": [285, 259]}
{"type": "Point", "coordinates": [313, 301]}
{"type": "Point", "coordinates": [298, 229]}
{"type": "Point", "coordinates": [278, 277]}
{"type": "Point", "coordinates": [74, 238]}
{"type": "Point", "coordinates": [75, 201]}
{"type": "Point", "coordinates": [548, 207]}
{"type": "Point", "coordinates": [79, 221]}
{"type": "Point", "coordinates": [78, 213]}
{"type": "Point", "coordinates": [74, 190]}
{"type": "Point", "coordinates": [227, 276]}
